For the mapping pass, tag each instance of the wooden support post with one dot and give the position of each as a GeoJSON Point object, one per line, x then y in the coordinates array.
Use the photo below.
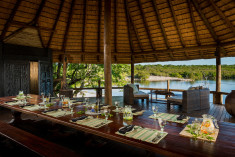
{"type": "Point", "coordinates": [168, 88]}
{"type": "Point", "coordinates": [217, 97]}
{"type": "Point", "coordinates": [63, 82]}
{"type": "Point", "coordinates": [107, 53]}
{"type": "Point", "coordinates": [132, 70]}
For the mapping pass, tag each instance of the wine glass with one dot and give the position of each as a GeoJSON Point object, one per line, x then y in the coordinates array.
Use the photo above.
{"type": "Point", "coordinates": [162, 123]}
{"type": "Point", "coordinates": [116, 104]}
{"type": "Point", "coordinates": [71, 106]}
{"type": "Point", "coordinates": [106, 114]}
{"type": "Point", "coordinates": [155, 109]}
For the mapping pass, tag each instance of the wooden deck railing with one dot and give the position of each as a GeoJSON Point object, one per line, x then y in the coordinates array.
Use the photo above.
{"type": "Point", "coordinates": [99, 90]}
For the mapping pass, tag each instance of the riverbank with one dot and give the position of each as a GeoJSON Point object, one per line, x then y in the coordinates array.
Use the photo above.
{"type": "Point", "coordinates": [163, 78]}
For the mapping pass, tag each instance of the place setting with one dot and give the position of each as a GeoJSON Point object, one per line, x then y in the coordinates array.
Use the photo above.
{"type": "Point", "coordinates": [127, 108]}
{"type": "Point", "coordinates": [144, 134]}
{"type": "Point", "coordinates": [94, 122]}
{"type": "Point", "coordinates": [182, 118]}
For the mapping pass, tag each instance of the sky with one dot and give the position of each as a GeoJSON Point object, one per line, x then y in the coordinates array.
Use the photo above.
{"type": "Point", "coordinates": [226, 60]}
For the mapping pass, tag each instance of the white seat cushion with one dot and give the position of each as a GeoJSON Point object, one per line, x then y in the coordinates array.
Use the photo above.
{"type": "Point", "coordinates": [175, 98]}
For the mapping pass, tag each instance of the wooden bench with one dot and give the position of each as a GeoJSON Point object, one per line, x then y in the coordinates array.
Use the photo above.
{"type": "Point", "coordinates": [34, 143]}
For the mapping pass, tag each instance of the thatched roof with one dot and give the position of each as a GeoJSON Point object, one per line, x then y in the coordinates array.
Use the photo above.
{"type": "Point", "coordinates": [148, 30]}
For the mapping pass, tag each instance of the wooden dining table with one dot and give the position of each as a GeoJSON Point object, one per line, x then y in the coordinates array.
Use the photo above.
{"type": "Point", "coordinates": [172, 145]}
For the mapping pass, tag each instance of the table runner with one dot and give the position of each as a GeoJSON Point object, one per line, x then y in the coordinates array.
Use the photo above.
{"type": "Point", "coordinates": [169, 117]}
{"type": "Point", "coordinates": [93, 122]}
{"type": "Point", "coordinates": [144, 134]}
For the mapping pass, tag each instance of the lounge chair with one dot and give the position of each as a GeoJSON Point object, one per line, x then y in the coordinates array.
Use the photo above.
{"type": "Point", "coordinates": [131, 92]}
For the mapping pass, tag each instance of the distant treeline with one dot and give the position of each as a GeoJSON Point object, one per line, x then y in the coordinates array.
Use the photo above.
{"type": "Point", "coordinates": [195, 72]}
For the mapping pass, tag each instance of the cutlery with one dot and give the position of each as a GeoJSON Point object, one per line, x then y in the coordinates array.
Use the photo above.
{"type": "Point", "coordinates": [100, 124]}
{"type": "Point", "coordinates": [158, 136]}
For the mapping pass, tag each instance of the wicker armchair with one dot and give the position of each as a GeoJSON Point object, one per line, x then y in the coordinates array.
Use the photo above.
{"type": "Point", "coordinates": [191, 100]}
{"type": "Point", "coordinates": [129, 96]}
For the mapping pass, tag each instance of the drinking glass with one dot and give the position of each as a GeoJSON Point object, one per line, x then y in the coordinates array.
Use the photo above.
{"type": "Point", "coordinates": [71, 106]}
{"type": "Point", "coordinates": [162, 123]}
{"type": "Point", "coordinates": [116, 104]}
{"type": "Point", "coordinates": [106, 114]}
{"type": "Point", "coordinates": [25, 101]}
{"type": "Point", "coordinates": [155, 109]}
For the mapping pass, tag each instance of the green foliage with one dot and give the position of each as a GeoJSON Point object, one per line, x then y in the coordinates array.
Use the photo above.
{"type": "Point", "coordinates": [88, 75]}
{"type": "Point", "coordinates": [195, 72]}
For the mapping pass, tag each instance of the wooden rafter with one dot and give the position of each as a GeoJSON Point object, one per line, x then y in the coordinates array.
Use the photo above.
{"type": "Point", "coordinates": [193, 22]}
{"type": "Point", "coordinates": [99, 23]}
{"type": "Point", "coordinates": [159, 19]}
{"type": "Point", "coordinates": [221, 14]}
{"type": "Point", "coordinates": [145, 24]}
{"type": "Point", "coordinates": [176, 23]}
{"type": "Point", "coordinates": [115, 26]}
{"type": "Point", "coordinates": [38, 13]}
{"type": "Point", "coordinates": [26, 25]}
{"type": "Point", "coordinates": [177, 26]}
{"type": "Point", "coordinates": [206, 22]}
{"type": "Point", "coordinates": [32, 23]}
{"type": "Point", "coordinates": [128, 27]}
{"type": "Point", "coordinates": [84, 24]}
{"type": "Point", "coordinates": [10, 19]}
{"type": "Point", "coordinates": [68, 25]}
{"type": "Point", "coordinates": [55, 23]}
{"type": "Point", "coordinates": [132, 24]}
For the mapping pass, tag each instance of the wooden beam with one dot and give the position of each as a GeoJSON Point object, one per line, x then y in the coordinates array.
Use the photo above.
{"type": "Point", "coordinates": [206, 22]}
{"type": "Point", "coordinates": [159, 19]}
{"type": "Point", "coordinates": [38, 13]}
{"type": "Point", "coordinates": [10, 19]}
{"type": "Point", "coordinates": [132, 23]}
{"type": "Point", "coordinates": [27, 25]}
{"type": "Point", "coordinates": [84, 24]}
{"type": "Point", "coordinates": [176, 23]}
{"type": "Point", "coordinates": [145, 25]}
{"type": "Point", "coordinates": [68, 25]}
{"type": "Point", "coordinates": [40, 37]}
{"type": "Point", "coordinates": [32, 23]}
{"type": "Point", "coordinates": [128, 27]}
{"type": "Point", "coordinates": [65, 62]}
{"type": "Point", "coordinates": [132, 70]}
{"type": "Point", "coordinates": [107, 53]}
{"type": "Point", "coordinates": [193, 22]}
{"type": "Point", "coordinates": [55, 23]}
{"type": "Point", "coordinates": [99, 31]}
{"type": "Point", "coordinates": [223, 17]}
{"type": "Point", "coordinates": [217, 98]}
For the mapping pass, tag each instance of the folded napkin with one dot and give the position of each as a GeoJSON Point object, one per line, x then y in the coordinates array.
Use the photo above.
{"type": "Point", "coordinates": [181, 117]}
{"type": "Point", "coordinates": [79, 118]}
{"type": "Point", "coordinates": [12, 101]}
{"type": "Point", "coordinates": [137, 110]}
{"type": "Point", "coordinates": [27, 105]}
{"type": "Point", "coordinates": [126, 129]}
{"type": "Point", "coordinates": [50, 110]}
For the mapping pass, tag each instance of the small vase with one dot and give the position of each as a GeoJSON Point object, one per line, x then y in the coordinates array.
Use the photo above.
{"type": "Point", "coordinates": [230, 103]}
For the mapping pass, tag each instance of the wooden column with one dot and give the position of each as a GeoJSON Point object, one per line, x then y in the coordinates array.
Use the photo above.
{"type": "Point", "coordinates": [65, 62]}
{"type": "Point", "coordinates": [217, 97]}
{"type": "Point", "coordinates": [107, 53]}
{"type": "Point", "coordinates": [2, 71]}
{"type": "Point", "coordinates": [132, 70]}
{"type": "Point", "coordinates": [168, 88]}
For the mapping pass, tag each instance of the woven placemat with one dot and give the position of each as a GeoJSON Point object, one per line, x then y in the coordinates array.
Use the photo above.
{"type": "Point", "coordinates": [93, 122]}
{"type": "Point", "coordinates": [58, 113]}
{"type": "Point", "coordinates": [144, 134]}
{"type": "Point", "coordinates": [33, 108]}
{"type": "Point", "coordinates": [29, 97]}
{"type": "Point", "coordinates": [187, 134]}
{"type": "Point", "coordinates": [121, 110]}
{"type": "Point", "coordinates": [14, 103]}
{"type": "Point", "coordinates": [169, 117]}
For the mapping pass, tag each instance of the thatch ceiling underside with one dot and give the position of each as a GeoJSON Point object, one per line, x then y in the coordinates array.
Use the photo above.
{"type": "Point", "coordinates": [144, 30]}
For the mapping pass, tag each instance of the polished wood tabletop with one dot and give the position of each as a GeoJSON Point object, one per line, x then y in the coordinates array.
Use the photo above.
{"type": "Point", "coordinates": [172, 145]}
